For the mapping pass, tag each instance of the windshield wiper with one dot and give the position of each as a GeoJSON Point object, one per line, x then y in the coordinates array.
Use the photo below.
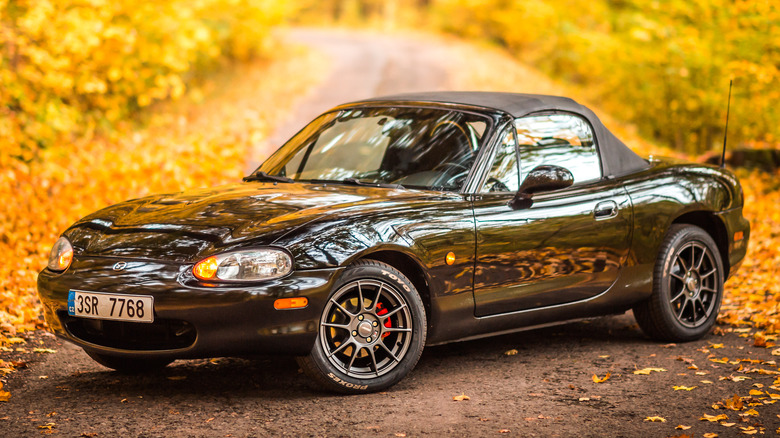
{"type": "Point", "coordinates": [353, 182]}
{"type": "Point", "coordinates": [262, 176]}
{"type": "Point", "coordinates": [357, 182]}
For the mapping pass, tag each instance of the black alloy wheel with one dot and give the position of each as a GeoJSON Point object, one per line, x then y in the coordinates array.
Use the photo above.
{"type": "Point", "coordinates": [371, 332]}
{"type": "Point", "coordinates": [687, 287]}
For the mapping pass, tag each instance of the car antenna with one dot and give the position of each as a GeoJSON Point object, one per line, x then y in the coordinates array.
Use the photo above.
{"type": "Point", "coordinates": [726, 133]}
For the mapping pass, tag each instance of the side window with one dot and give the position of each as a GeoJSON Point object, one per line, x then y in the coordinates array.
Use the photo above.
{"type": "Point", "coordinates": [561, 139]}
{"type": "Point", "coordinates": [504, 176]}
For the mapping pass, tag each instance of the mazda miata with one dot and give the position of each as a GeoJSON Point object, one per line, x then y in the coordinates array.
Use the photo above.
{"type": "Point", "coordinates": [393, 223]}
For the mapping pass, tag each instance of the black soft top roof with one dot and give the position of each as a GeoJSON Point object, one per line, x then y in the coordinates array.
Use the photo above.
{"type": "Point", "coordinates": [616, 158]}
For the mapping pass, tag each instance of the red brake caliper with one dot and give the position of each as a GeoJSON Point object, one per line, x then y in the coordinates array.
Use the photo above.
{"type": "Point", "coordinates": [382, 311]}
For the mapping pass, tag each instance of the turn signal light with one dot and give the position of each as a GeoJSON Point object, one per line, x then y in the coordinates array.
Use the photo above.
{"type": "Point", "coordinates": [738, 236]}
{"type": "Point", "coordinates": [291, 303]}
{"type": "Point", "coordinates": [450, 259]}
{"type": "Point", "coordinates": [206, 269]}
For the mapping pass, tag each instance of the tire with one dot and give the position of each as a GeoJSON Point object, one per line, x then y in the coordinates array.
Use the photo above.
{"type": "Point", "coordinates": [128, 365]}
{"type": "Point", "coordinates": [361, 349]}
{"type": "Point", "coordinates": [687, 287]}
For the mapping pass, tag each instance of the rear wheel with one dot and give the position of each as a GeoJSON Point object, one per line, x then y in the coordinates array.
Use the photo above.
{"type": "Point", "coordinates": [687, 287]}
{"type": "Point", "coordinates": [371, 332]}
{"type": "Point", "coordinates": [128, 365]}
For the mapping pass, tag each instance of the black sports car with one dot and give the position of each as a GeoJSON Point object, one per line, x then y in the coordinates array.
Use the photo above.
{"type": "Point", "coordinates": [393, 223]}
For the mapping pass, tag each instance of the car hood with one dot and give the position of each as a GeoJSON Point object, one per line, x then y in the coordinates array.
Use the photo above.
{"type": "Point", "coordinates": [187, 226]}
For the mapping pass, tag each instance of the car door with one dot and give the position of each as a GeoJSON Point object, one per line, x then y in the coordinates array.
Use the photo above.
{"type": "Point", "coordinates": [570, 244]}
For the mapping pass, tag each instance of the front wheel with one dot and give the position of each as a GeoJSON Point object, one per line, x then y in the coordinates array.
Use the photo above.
{"type": "Point", "coordinates": [687, 287]}
{"type": "Point", "coordinates": [371, 332]}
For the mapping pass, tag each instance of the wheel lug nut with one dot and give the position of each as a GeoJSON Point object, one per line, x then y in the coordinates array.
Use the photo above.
{"type": "Point", "coordinates": [360, 318]}
{"type": "Point", "coordinates": [375, 324]}
{"type": "Point", "coordinates": [368, 339]}
{"type": "Point", "coordinates": [354, 333]}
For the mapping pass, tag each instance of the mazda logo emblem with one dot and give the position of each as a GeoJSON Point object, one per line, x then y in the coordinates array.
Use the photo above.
{"type": "Point", "coordinates": [119, 266]}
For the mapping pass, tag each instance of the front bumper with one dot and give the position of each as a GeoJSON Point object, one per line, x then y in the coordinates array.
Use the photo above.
{"type": "Point", "coordinates": [192, 318]}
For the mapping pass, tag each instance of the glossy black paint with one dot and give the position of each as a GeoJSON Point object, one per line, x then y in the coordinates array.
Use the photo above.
{"type": "Point", "coordinates": [577, 251]}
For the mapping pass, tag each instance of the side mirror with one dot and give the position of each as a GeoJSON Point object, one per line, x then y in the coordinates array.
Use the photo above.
{"type": "Point", "coordinates": [544, 178]}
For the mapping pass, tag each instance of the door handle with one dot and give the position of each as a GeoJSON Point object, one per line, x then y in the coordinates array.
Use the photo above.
{"type": "Point", "coordinates": [605, 210]}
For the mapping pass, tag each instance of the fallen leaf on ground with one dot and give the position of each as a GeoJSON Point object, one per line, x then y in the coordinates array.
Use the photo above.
{"type": "Point", "coordinates": [681, 427]}
{"type": "Point", "coordinates": [597, 379]}
{"type": "Point", "coordinates": [504, 431]}
{"type": "Point", "coordinates": [47, 426]}
{"type": "Point", "coordinates": [684, 388]}
{"type": "Point", "coordinates": [710, 435]}
{"type": "Point", "coordinates": [715, 346]}
{"type": "Point", "coordinates": [176, 377]}
{"type": "Point", "coordinates": [461, 397]}
{"type": "Point", "coordinates": [511, 352]}
{"type": "Point", "coordinates": [656, 419]}
{"type": "Point", "coordinates": [756, 392]}
{"type": "Point", "coordinates": [714, 418]}
{"type": "Point", "coordinates": [646, 371]}
{"type": "Point", "coordinates": [44, 350]}
{"type": "Point", "coordinates": [750, 413]}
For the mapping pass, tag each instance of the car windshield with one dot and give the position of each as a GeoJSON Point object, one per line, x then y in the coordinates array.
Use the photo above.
{"type": "Point", "coordinates": [400, 146]}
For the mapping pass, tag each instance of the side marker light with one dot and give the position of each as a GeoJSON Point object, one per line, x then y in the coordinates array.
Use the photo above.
{"type": "Point", "coordinates": [450, 259]}
{"type": "Point", "coordinates": [291, 303]}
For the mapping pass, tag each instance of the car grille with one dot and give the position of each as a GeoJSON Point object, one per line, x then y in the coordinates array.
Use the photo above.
{"type": "Point", "coordinates": [162, 334]}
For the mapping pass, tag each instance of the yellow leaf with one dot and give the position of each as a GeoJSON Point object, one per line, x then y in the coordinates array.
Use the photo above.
{"type": "Point", "coordinates": [44, 350]}
{"type": "Point", "coordinates": [776, 352]}
{"type": "Point", "coordinates": [706, 382]}
{"type": "Point", "coordinates": [710, 435]}
{"type": "Point", "coordinates": [756, 392]}
{"type": "Point", "coordinates": [646, 371]}
{"type": "Point", "coordinates": [714, 346]}
{"type": "Point", "coordinates": [461, 397]}
{"type": "Point", "coordinates": [597, 379]}
{"type": "Point", "coordinates": [727, 424]}
{"type": "Point", "coordinates": [750, 413]}
{"type": "Point", "coordinates": [16, 341]}
{"type": "Point", "coordinates": [511, 352]}
{"type": "Point", "coordinates": [4, 396]}
{"type": "Point", "coordinates": [684, 388]}
{"type": "Point", "coordinates": [656, 419]}
{"type": "Point", "coordinates": [714, 418]}
{"type": "Point", "coordinates": [681, 427]}
{"type": "Point", "coordinates": [724, 360]}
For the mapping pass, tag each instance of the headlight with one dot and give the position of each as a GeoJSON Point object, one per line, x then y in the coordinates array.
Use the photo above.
{"type": "Point", "coordinates": [249, 265]}
{"type": "Point", "coordinates": [61, 255]}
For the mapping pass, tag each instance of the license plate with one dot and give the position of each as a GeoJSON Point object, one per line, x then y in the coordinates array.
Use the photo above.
{"type": "Point", "coordinates": [99, 305]}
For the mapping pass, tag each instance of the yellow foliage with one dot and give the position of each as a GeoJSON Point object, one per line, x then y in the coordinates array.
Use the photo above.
{"type": "Point", "coordinates": [73, 67]}
{"type": "Point", "coordinates": [663, 65]}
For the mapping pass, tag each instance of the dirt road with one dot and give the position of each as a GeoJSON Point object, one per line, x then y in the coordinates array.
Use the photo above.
{"type": "Point", "coordinates": [537, 383]}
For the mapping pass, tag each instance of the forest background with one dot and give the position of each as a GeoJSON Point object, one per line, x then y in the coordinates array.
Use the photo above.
{"type": "Point", "coordinates": [83, 81]}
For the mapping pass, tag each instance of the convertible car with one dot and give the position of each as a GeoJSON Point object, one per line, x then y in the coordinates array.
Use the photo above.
{"type": "Point", "coordinates": [393, 223]}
